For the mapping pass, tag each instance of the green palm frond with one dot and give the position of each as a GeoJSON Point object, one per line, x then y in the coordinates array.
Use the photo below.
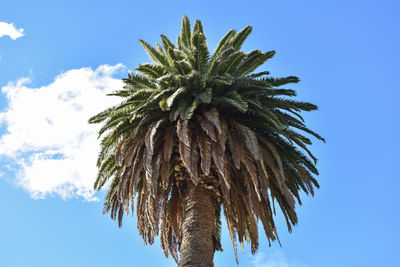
{"type": "Point", "coordinates": [253, 60]}
{"type": "Point", "coordinates": [153, 70]}
{"type": "Point", "coordinates": [135, 81]}
{"type": "Point", "coordinates": [185, 35]}
{"type": "Point", "coordinates": [154, 54]}
{"type": "Point", "coordinates": [240, 37]}
{"type": "Point", "coordinates": [223, 43]}
{"type": "Point", "coordinates": [200, 52]}
{"type": "Point", "coordinates": [167, 43]}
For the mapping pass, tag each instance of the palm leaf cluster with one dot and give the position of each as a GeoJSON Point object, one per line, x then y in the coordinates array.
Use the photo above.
{"type": "Point", "coordinates": [191, 116]}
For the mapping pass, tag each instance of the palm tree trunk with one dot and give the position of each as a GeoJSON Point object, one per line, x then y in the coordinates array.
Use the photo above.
{"type": "Point", "coordinates": [198, 228]}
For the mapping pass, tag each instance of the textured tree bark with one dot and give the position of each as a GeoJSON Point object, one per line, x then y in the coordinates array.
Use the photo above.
{"type": "Point", "coordinates": [198, 228]}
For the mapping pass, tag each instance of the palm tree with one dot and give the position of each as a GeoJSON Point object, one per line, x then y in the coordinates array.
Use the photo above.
{"type": "Point", "coordinates": [199, 132]}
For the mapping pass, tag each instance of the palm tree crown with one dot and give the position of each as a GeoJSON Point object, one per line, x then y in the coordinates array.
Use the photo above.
{"type": "Point", "coordinates": [207, 119]}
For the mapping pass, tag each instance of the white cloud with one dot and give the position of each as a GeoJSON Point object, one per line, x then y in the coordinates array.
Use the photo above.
{"type": "Point", "coordinates": [275, 259]}
{"type": "Point", "coordinates": [8, 29]}
{"type": "Point", "coordinates": [48, 136]}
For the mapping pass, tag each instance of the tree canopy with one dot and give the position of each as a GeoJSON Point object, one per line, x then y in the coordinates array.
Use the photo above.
{"type": "Point", "coordinates": [210, 119]}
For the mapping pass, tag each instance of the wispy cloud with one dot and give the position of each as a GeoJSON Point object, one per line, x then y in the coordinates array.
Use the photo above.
{"type": "Point", "coordinates": [8, 29]}
{"type": "Point", "coordinates": [47, 134]}
{"type": "Point", "coordinates": [275, 259]}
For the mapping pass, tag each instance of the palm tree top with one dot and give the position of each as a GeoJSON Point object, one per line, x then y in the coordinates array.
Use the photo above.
{"type": "Point", "coordinates": [211, 118]}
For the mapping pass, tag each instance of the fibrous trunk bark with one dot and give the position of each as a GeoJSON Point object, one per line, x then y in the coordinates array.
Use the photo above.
{"type": "Point", "coordinates": [198, 228]}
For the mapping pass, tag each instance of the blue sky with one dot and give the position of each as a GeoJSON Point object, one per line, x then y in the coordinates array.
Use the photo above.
{"type": "Point", "coordinates": [59, 58]}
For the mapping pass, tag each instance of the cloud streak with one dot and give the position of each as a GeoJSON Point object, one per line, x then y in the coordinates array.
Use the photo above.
{"type": "Point", "coordinates": [8, 29]}
{"type": "Point", "coordinates": [275, 259]}
{"type": "Point", "coordinates": [47, 134]}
